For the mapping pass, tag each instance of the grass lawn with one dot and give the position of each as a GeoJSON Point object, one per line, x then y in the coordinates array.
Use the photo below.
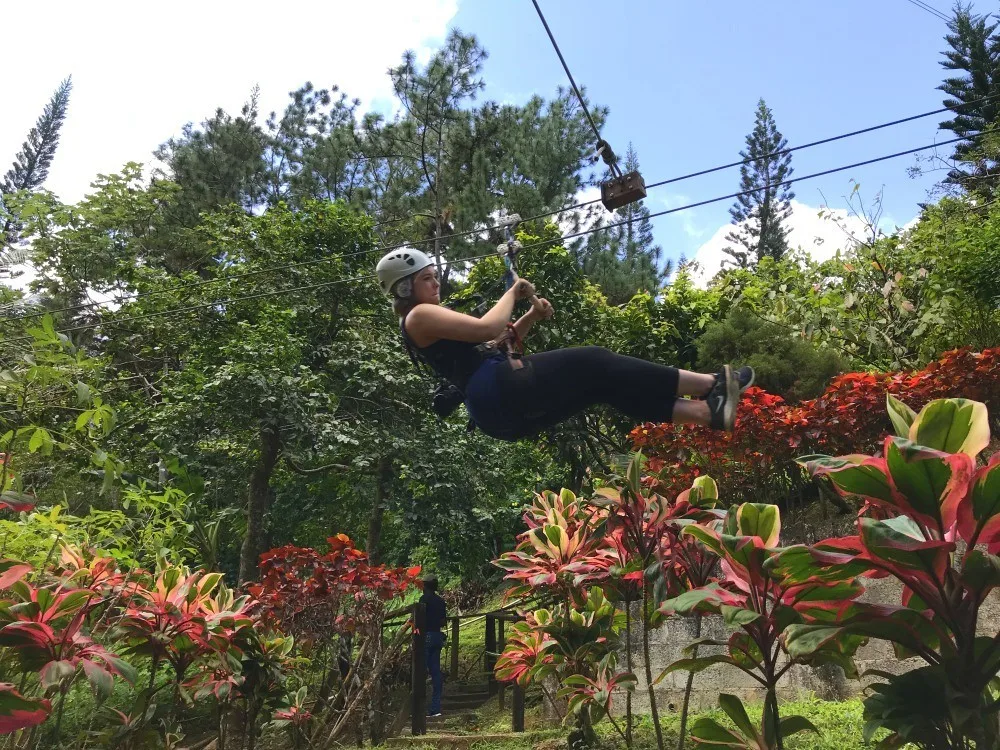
{"type": "Point", "coordinates": [840, 725]}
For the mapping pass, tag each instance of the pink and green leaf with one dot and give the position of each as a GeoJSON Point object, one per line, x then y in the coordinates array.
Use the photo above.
{"type": "Point", "coordinates": [902, 546]}
{"type": "Point", "coordinates": [738, 616]}
{"type": "Point", "coordinates": [979, 514]}
{"type": "Point", "coordinates": [931, 483]}
{"type": "Point", "coordinates": [100, 680]}
{"type": "Point", "coordinates": [952, 425]}
{"type": "Point", "coordinates": [12, 571]}
{"type": "Point", "coordinates": [862, 476]}
{"type": "Point", "coordinates": [759, 520]}
{"type": "Point", "coordinates": [18, 712]}
{"type": "Point", "coordinates": [822, 564]}
{"type": "Point", "coordinates": [902, 416]}
{"type": "Point", "coordinates": [708, 598]}
{"type": "Point", "coordinates": [55, 674]}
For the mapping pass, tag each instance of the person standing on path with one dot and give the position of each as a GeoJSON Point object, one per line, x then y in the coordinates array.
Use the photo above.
{"type": "Point", "coordinates": [436, 618]}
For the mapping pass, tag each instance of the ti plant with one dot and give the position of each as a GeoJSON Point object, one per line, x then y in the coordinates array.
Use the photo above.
{"type": "Point", "coordinates": [562, 551]}
{"type": "Point", "coordinates": [564, 554]}
{"type": "Point", "coordinates": [930, 520]}
{"type": "Point", "coordinates": [760, 605]}
{"type": "Point", "coordinates": [652, 556]}
{"type": "Point", "coordinates": [576, 644]}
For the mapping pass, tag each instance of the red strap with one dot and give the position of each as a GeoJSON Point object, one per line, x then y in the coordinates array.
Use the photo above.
{"type": "Point", "coordinates": [518, 344]}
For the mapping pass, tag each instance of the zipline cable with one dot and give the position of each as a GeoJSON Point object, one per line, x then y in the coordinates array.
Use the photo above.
{"type": "Point", "coordinates": [930, 9]}
{"type": "Point", "coordinates": [601, 143]}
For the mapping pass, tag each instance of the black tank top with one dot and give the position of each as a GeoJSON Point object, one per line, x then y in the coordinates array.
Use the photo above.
{"type": "Point", "coordinates": [455, 361]}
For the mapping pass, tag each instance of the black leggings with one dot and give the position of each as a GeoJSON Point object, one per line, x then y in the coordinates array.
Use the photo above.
{"type": "Point", "coordinates": [553, 386]}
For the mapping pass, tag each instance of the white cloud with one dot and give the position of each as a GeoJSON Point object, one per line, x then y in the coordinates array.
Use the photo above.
{"type": "Point", "coordinates": [588, 217]}
{"type": "Point", "coordinates": [819, 236]}
{"type": "Point", "coordinates": [141, 70]}
{"type": "Point", "coordinates": [686, 220]}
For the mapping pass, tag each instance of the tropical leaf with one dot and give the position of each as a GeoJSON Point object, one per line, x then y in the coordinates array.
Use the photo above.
{"type": "Point", "coordinates": [902, 416]}
{"type": "Point", "coordinates": [952, 425]}
{"type": "Point", "coordinates": [18, 712]}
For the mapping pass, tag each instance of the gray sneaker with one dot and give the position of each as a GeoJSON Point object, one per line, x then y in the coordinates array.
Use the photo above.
{"type": "Point", "coordinates": [745, 376]}
{"type": "Point", "coordinates": [723, 399]}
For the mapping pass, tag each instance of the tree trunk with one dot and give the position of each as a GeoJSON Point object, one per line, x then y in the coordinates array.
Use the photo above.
{"type": "Point", "coordinates": [629, 668]}
{"type": "Point", "coordinates": [771, 705]}
{"type": "Point", "coordinates": [382, 478]}
{"type": "Point", "coordinates": [649, 670]}
{"type": "Point", "coordinates": [259, 504]}
{"type": "Point", "coordinates": [232, 728]}
{"type": "Point", "coordinates": [689, 686]}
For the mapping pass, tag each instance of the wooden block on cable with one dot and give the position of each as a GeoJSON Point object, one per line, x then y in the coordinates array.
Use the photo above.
{"type": "Point", "coordinates": [623, 190]}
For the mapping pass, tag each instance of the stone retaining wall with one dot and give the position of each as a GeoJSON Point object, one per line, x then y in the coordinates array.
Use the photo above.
{"type": "Point", "coordinates": [668, 641]}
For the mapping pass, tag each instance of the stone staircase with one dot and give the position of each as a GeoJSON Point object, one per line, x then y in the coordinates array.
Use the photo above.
{"type": "Point", "coordinates": [458, 724]}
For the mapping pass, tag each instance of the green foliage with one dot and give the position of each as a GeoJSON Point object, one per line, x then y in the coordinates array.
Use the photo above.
{"type": "Point", "coordinates": [923, 497]}
{"type": "Point", "coordinates": [972, 55]}
{"type": "Point", "coordinates": [47, 403]}
{"type": "Point", "coordinates": [887, 302]}
{"type": "Point", "coordinates": [107, 242]}
{"type": "Point", "coordinates": [624, 260]}
{"type": "Point", "coordinates": [785, 363]}
{"type": "Point", "coordinates": [216, 165]}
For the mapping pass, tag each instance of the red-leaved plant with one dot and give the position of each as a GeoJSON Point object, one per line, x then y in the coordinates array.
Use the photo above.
{"type": "Point", "coordinates": [318, 596]}
{"type": "Point", "coordinates": [930, 520]}
{"type": "Point", "coordinates": [46, 628]}
{"type": "Point", "coordinates": [652, 557]}
{"type": "Point", "coordinates": [761, 606]}
{"type": "Point", "coordinates": [563, 556]}
{"type": "Point", "coordinates": [759, 456]}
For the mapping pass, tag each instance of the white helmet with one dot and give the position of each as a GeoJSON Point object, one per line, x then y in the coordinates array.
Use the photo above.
{"type": "Point", "coordinates": [398, 264]}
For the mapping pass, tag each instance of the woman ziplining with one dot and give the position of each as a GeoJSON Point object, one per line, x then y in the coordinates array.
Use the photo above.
{"type": "Point", "coordinates": [510, 397]}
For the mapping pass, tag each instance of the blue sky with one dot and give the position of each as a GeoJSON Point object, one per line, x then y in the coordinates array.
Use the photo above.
{"type": "Point", "coordinates": [682, 81]}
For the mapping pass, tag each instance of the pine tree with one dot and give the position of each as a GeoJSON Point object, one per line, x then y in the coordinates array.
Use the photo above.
{"type": "Point", "coordinates": [31, 165]}
{"type": "Point", "coordinates": [624, 259]}
{"type": "Point", "coordinates": [759, 214]}
{"type": "Point", "coordinates": [975, 53]}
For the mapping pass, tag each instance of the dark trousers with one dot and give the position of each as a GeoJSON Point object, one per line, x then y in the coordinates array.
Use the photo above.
{"type": "Point", "coordinates": [433, 644]}
{"type": "Point", "coordinates": [552, 386]}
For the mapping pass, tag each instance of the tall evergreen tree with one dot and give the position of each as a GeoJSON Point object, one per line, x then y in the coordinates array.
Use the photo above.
{"type": "Point", "coordinates": [974, 53]}
{"type": "Point", "coordinates": [624, 258]}
{"type": "Point", "coordinates": [445, 164]}
{"type": "Point", "coordinates": [31, 165]}
{"type": "Point", "coordinates": [759, 214]}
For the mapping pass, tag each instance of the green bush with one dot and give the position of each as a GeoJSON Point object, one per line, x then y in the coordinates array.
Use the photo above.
{"type": "Point", "coordinates": [786, 364]}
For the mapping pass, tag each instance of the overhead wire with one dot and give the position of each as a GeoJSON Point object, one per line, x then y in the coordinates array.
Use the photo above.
{"type": "Point", "coordinates": [929, 8]}
{"type": "Point", "coordinates": [563, 238]}
{"type": "Point", "coordinates": [612, 165]}
{"type": "Point", "coordinates": [131, 297]}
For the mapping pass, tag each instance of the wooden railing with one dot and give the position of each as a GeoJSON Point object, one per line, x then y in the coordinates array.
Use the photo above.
{"type": "Point", "coordinates": [494, 640]}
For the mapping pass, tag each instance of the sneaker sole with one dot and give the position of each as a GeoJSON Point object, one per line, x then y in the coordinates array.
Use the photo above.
{"type": "Point", "coordinates": [732, 399]}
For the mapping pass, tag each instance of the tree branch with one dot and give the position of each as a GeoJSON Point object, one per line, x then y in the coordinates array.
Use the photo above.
{"type": "Point", "coordinates": [308, 472]}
